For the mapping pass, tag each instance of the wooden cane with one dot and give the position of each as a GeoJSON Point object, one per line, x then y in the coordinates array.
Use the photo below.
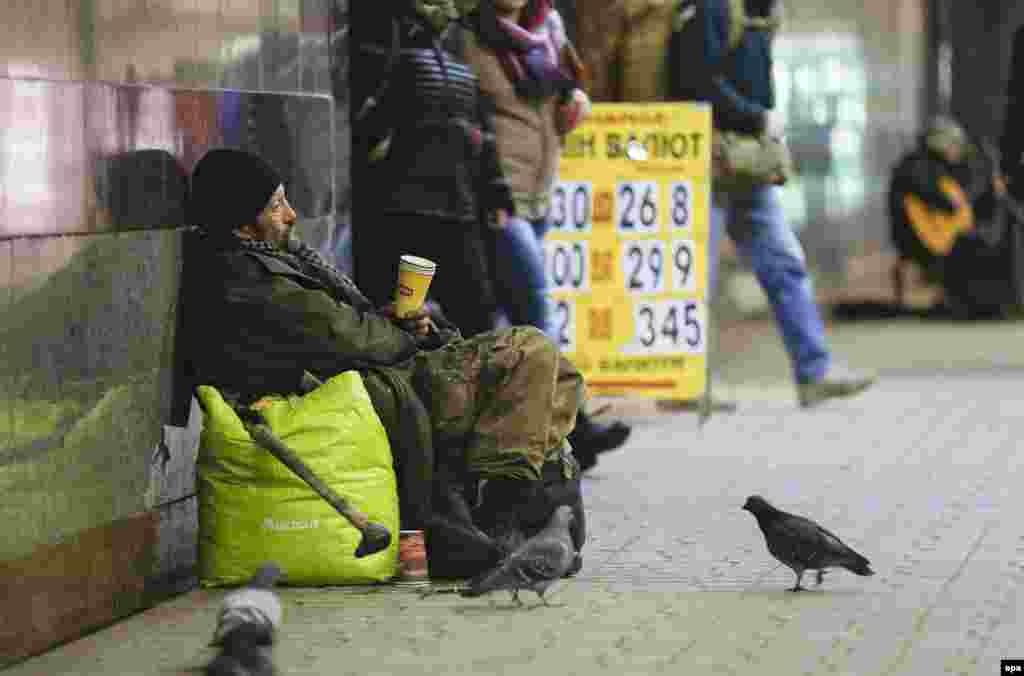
{"type": "Point", "coordinates": [375, 537]}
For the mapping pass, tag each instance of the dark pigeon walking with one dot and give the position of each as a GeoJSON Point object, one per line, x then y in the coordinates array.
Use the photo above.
{"type": "Point", "coordinates": [536, 565]}
{"type": "Point", "coordinates": [246, 626]}
{"type": "Point", "coordinates": [802, 544]}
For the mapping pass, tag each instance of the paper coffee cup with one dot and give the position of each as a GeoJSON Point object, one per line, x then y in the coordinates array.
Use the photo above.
{"type": "Point", "coordinates": [414, 276]}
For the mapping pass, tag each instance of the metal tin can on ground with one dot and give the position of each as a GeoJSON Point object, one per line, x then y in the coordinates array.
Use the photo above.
{"type": "Point", "coordinates": [412, 555]}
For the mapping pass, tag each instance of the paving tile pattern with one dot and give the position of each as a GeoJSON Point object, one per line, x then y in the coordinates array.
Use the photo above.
{"type": "Point", "coordinates": [920, 475]}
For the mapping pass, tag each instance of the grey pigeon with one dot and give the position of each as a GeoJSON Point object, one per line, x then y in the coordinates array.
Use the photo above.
{"type": "Point", "coordinates": [248, 620]}
{"type": "Point", "coordinates": [507, 532]}
{"type": "Point", "coordinates": [536, 565]}
{"type": "Point", "coordinates": [802, 544]}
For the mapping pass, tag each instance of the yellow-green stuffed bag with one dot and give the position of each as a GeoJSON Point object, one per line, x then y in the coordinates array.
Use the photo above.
{"type": "Point", "coordinates": [253, 509]}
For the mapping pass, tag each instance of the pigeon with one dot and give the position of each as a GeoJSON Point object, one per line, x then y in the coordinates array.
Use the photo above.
{"type": "Point", "coordinates": [248, 620]}
{"type": "Point", "coordinates": [802, 544]}
{"type": "Point", "coordinates": [536, 565]}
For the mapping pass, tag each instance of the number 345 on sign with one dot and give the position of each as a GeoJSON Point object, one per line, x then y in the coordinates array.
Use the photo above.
{"type": "Point", "coordinates": [671, 326]}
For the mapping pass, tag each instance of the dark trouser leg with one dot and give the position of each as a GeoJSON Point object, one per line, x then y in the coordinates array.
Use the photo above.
{"type": "Point", "coordinates": [499, 403]}
{"type": "Point", "coordinates": [414, 462]}
{"type": "Point", "coordinates": [375, 255]}
{"type": "Point", "coordinates": [528, 505]}
{"type": "Point", "coordinates": [465, 292]}
{"type": "Point", "coordinates": [431, 488]}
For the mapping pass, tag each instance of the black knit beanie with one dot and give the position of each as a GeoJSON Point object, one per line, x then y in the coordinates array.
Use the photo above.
{"type": "Point", "coordinates": [229, 189]}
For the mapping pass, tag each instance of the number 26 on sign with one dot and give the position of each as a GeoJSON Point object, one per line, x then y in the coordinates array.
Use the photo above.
{"type": "Point", "coordinates": [638, 208]}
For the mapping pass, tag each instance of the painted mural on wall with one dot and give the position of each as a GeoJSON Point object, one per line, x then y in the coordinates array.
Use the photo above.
{"type": "Point", "coordinates": [88, 157]}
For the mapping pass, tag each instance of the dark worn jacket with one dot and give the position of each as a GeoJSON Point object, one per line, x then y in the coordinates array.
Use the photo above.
{"type": "Point", "coordinates": [266, 322]}
{"type": "Point", "coordinates": [253, 324]}
{"type": "Point", "coordinates": [442, 160]}
{"type": "Point", "coordinates": [496, 405]}
{"type": "Point", "coordinates": [737, 83]}
{"type": "Point", "coordinates": [1012, 142]}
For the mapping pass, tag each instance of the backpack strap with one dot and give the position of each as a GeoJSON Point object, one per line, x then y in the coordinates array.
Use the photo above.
{"type": "Point", "coordinates": [739, 21]}
{"type": "Point", "coordinates": [770, 24]}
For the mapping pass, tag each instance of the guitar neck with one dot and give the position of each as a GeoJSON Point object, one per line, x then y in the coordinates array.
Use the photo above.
{"type": "Point", "coordinates": [994, 156]}
{"type": "Point", "coordinates": [1014, 207]}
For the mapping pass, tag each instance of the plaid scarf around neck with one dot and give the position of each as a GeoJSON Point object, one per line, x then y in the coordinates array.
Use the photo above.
{"type": "Point", "coordinates": [309, 261]}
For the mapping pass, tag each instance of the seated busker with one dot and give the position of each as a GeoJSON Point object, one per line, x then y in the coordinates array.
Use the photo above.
{"type": "Point", "coordinates": [943, 209]}
{"type": "Point", "coordinates": [491, 412]}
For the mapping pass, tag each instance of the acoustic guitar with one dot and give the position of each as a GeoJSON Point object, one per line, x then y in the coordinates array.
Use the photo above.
{"type": "Point", "coordinates": [938, 229]}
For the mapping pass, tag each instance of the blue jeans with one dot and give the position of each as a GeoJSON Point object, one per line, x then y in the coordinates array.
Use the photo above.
{"type": "Point", "coordinates": [520, 283]}
{"type": "Point", "coordinates": [767, 244]}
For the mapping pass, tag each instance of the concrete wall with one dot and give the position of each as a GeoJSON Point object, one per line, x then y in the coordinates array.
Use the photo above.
{"type": "Point", "coordinates": [105, 106]}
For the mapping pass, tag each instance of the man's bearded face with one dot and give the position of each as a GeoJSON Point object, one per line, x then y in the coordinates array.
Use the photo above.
{"type": "Point", "coordinates": [275, 222]}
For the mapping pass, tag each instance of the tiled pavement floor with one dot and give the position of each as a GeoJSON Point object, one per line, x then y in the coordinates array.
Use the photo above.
{"type": "Point", "coordinates": [920, 474]}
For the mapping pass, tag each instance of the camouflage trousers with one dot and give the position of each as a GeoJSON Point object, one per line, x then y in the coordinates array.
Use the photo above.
{"type": "Point", "coordinates": [505, 400]}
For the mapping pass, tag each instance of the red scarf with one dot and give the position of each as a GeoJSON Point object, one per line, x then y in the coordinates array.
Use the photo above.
{"type": "Point", "coordinates": [529, 55]}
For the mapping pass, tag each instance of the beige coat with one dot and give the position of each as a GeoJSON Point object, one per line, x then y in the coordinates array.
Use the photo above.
{"type": "Point", "coordinates": [528, 141]}
{"type": "Point", "coordinates": [645, 50]}
{"type": "Point", "coordinates": [624, 46]}
{"type": "Point", "coordinates": [601, 31]}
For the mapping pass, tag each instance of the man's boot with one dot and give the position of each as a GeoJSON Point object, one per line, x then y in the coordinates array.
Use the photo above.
{"type": "Point", "coordinates": [456, 547]}
{"type": "Point", "coordinates": [512, 510]}
{"type": "Point", "coordinates": [838, 381]}
{"type": "Point", "coordinates": [589, 438]}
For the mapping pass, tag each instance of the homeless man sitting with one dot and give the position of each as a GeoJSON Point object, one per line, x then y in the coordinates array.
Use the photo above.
{"type": "Point", "coordinates": [477, 426]}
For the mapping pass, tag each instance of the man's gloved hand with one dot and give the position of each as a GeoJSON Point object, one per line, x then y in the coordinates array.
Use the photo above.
{"type": "Point", "coordinates": [419, 324]}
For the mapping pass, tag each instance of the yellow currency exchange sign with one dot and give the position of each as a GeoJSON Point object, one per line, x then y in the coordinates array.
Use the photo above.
{"type": "Point", "coordinates": [626, 254]}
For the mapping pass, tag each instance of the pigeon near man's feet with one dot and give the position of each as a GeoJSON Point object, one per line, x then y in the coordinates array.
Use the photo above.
{"type": "Point", "coordinates": [537, 564]}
